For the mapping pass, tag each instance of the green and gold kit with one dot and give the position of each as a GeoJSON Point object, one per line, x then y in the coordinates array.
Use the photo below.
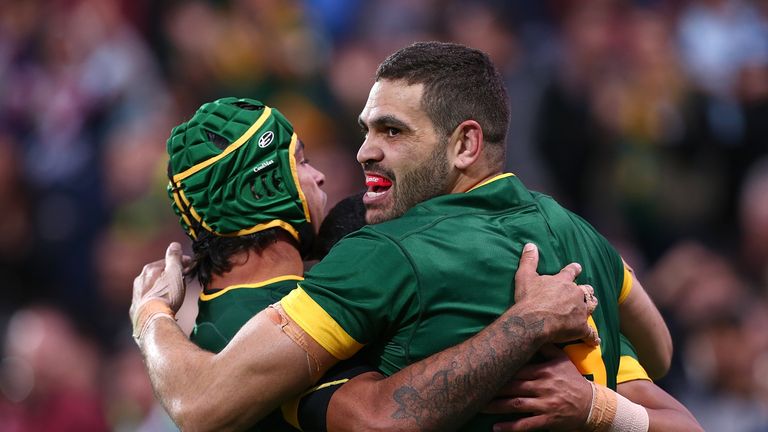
{"type": "Point", "coordinates": [418, 284]}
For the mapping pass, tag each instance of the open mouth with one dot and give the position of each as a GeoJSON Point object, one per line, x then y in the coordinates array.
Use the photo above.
{"type": "Point", "coordinates": [377, 185]}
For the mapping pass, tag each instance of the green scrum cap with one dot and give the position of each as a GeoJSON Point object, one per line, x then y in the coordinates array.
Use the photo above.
{"type": "Point", "coordinates": [232, 171]}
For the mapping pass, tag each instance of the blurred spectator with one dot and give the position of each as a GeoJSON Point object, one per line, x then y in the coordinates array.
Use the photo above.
{"type": "Point", "coordinates": [754, 224]}
{"type": "Point", "coordinates": [647, 117]}
{"type": "Point", "coordinates": [50, 376]}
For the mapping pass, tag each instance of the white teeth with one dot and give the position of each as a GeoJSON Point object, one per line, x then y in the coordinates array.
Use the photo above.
{"type": "Point", "coordinates": [372, 194]}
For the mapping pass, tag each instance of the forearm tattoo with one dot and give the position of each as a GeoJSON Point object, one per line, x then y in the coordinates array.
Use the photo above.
{"type": "Point", "coordinates": [470, 375]}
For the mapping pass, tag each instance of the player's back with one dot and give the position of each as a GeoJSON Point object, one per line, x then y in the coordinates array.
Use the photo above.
{"type": "Point", "coordinates": [412, 286]}
{"type": "Point", "coordinates": [465, 250]}
{"type": "Point", "coordinates": [223, 312]}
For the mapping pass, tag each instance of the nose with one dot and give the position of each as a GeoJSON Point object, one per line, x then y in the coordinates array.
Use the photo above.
{"type": "Point", "coordinates": [318, 176]}
{"type": "Point", "coordinates": [369, 152]}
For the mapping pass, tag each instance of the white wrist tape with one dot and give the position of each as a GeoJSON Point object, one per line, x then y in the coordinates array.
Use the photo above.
{"type": "Point", "coordinates": [612, 412]}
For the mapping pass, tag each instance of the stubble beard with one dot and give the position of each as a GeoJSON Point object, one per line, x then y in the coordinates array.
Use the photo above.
{"type": "Point", "coordinates": [427, 181]}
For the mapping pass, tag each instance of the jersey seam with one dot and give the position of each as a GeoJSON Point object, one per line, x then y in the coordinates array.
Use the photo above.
{"type": "Point", "coordinates": [417, 276]}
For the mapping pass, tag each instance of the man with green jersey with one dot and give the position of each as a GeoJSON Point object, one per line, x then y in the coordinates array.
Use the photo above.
{"type": "Point", "coordinates": [251, 203]}
{"type": "Point", "coordinates": [449, 160]}
{"type": "Point", "coordinates": [548, 395]}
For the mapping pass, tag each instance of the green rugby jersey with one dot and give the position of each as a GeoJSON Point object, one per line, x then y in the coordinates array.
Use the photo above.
{"type": "Point", "coordinates": [222, 313]}
{"type": "Point", "coordinates": [418, 284]}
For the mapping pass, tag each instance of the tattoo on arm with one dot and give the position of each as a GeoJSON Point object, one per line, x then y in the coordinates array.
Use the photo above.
{"type": "Point", "coordinates": [468, 375]}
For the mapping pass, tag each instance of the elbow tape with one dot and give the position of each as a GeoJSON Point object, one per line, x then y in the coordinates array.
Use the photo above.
{"type": "Point", "coordinates": [318, 359]}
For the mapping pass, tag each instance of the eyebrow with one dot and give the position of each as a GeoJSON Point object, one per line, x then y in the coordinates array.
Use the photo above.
{"type": "Point", "coordinates": [386, 121]}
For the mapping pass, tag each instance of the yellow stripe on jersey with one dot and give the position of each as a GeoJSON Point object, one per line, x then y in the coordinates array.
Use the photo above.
{"type": "Point", "coordinates": [314, 320]}
{"type": "Point", "coordinates": [588, 359]}
{"type": "Point", "coordinates": [626, 286]}
{"type": "Point", "coordinates": [290, 409]}
{"type": "Point", "coordinates": [207, 297]}
{"type": "Point", "coordinates": [630, 370]}
{"type": "Point", "coordinates": [491, 180]}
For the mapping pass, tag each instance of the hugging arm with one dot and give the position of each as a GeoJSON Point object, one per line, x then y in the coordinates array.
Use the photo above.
{"type": "Point", "coordinates": [642, 323]}
{"type": "Point", "coordinates": [446, 389]}
{"type": "Point", "coordinates": [261, 367]}
{"type": "Point", "coordinates": [554, 395]}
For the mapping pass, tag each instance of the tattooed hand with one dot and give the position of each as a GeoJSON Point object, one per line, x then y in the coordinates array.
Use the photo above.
{"type": "Point", "coordinates": [561, 305]}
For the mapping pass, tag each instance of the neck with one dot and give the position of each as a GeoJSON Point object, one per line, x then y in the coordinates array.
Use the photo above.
{"type": "Point", "coordinates": [466, 182]}
{"type": "Point", "coordinates": [278, 259]}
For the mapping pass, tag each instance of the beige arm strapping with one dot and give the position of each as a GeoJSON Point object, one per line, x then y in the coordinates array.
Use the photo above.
{"type": "Point", "coordinates": [319, 359]}
{"type": "Point", "coordinates": [612, 412]}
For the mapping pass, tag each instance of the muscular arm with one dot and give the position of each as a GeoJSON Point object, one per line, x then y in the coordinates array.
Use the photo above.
{"type": "Point", "coordinates": [557, 397]}
{"type": "Point", "coordinates": [444, 390]}
{"type": "Point", "coordinates": [261, 367]}
{"type": "Point", "coordinates": [642, 323]}
{"type": "Point", "coordinates": [666, 414]}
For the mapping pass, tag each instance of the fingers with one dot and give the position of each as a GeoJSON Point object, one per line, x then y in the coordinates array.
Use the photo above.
{"type": "Point", "coordinates": [520, 386]}
{"type": "Point", "coordinates": [589, 298]}
{"type": "Point", "coordinates": [513, 405]}
{"type": "Point", "coordinates": [173, 258]}
{"type": "Point", "coordinates": [571, 271]}
{"type": "Point", "coordinates": [529, 261]}
{"type": "Point", "coordinates": [592, 338]}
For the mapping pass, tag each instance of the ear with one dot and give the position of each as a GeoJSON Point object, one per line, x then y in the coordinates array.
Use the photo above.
{"type": "Point", "coordinates": [467, 141]}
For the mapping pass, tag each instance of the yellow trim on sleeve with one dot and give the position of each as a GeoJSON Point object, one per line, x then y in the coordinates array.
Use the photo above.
{"type": "Point", "coordinates": [290, 409]}
{"type": "Point", "coordinates": [491, 180]}
{"type": "Point", "coordinates": [314, 320]}
{"type": "Point", "coordinates": [630, 370]}
{"type": "Point", "coordinates": [230, 148]}
{"type": "Point", "coordinates": [206, 297]}
{"type": "Point", "coordinates": [626, 286]}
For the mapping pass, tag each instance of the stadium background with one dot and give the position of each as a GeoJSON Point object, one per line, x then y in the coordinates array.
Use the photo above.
{"type": "Point", "coordinates": [649, 118]}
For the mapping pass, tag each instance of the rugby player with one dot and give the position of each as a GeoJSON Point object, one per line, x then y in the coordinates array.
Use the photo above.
{"type": "Point", "coordinates": [453, 180]}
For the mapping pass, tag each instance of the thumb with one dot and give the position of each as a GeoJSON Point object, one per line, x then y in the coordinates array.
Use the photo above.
{"type": "Point", "coordinates": [173, 258]}
{"type": "Point", "coordinates": [529, 261]}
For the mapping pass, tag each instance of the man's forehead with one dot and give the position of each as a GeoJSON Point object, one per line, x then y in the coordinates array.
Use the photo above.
{"type": "Point", "coordinates": [394, 99]}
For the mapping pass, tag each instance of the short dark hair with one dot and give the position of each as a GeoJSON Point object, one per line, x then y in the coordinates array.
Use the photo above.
{"type": "Point", "coordinates": [460, 83]}
{"type": "Point", "coordinates": [213, 254]}
{"type": "Point", "coordinates": [347, 216]}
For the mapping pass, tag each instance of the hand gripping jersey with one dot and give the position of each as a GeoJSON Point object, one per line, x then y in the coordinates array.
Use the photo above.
{"type": "Point", "coordinates": [415, 285]}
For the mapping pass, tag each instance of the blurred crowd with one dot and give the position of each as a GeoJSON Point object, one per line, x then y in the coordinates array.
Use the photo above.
{"type": "Point", "coordinates": [647, 117]}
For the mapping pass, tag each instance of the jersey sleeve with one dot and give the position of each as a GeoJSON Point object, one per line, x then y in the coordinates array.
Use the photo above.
{"type": "Point", "coordinates": [630, 368]}
{"type": "Point", "coordinates": [310, 410]}
{"type": "Point", "coordinates": [626, 286]}
{"type": "Point", "coordinates": [358, 293]}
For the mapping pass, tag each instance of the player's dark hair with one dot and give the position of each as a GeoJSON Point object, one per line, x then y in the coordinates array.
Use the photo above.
{"type": "Point", "coordinates": [460, 83]}
{"type": "Point", "coordinates": [347, 216]}
{"type": "Point", "coordinates": [213, 254]}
